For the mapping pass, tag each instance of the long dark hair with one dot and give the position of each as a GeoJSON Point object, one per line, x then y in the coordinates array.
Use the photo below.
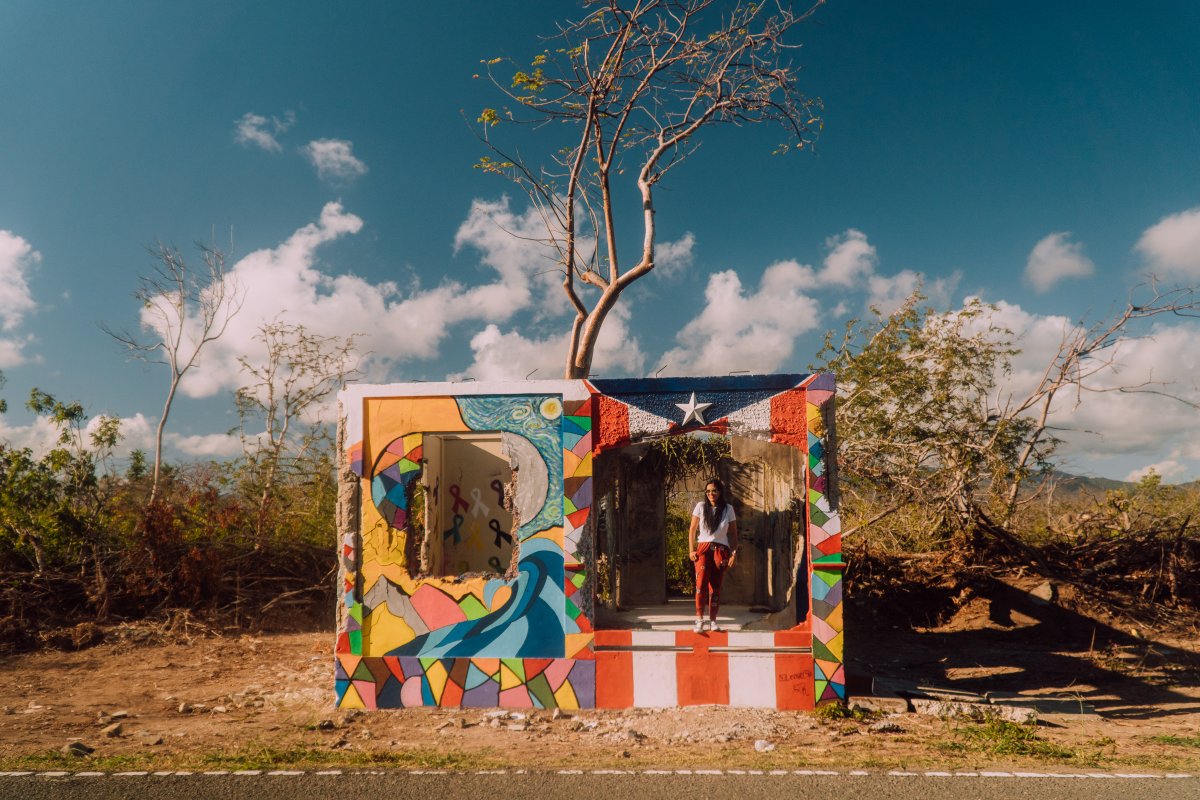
{"type": "Point", "coordinates": [714, 512]}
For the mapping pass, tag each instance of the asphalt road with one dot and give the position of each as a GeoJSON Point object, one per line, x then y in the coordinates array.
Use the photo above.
{"type": "Point", "coordinates": [635, 786]}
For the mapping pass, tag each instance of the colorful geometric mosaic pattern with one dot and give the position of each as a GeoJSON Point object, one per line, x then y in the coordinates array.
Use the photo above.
{"type": "Point", "coordinates": [577, 504]}
{"type": "Point", "coordinates": [397, 466]}
{"type": "Point", "coordinates": [825, 552]}
{"type": "Point", "coordinates": [408, 681]}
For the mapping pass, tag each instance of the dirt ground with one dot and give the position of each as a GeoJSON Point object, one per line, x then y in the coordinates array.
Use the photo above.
{"type": "Point", "coordinates": [1108, 698]}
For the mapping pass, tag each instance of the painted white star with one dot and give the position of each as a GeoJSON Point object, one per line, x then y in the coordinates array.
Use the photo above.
{"type": "Point", "coordinates": [693, 410]}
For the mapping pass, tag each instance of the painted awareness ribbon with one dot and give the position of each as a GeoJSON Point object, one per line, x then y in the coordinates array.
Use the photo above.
{"type": "Point", "coordinates": [478, 509]}
{"type": "Point", "coordinates": [500, 534]}
{"type": "Point", "coordinates": [459, 503]}
{"type": "Point", "coordinates": [455, 531]}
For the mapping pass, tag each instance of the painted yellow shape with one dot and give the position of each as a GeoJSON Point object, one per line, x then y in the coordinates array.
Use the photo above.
{"type": "Point", "coordinates": [565, 697]}
{"type": "Point", "coordinates": [508, 678]}
{"type": "Point", "coordinates": [382, 631]}
{"type": "Point", "coordinates": [554, 534]}
{"type": "Point", "coordinates": [837, 647]}
{"type": "Point", "coordinates": [501, 597]}
{"type": "Point", "coordinates": [380, 543]}
{"type": "Point", "coordinates": [385, 418]}
{"type": "Point", "coordinates": [458, 589]}
{"type": "Point", "coordinates": [816, 423]}
{"type": "Point", "coordinates": [411, 440]}
{"type": "Point", "coordinates": [436, 674]}
{"type": "Point", "coordinates": [585, 467]}
{"type": "Point", "coordinates": [835, 619]}
{"type": "Point", "coordinates": [351, 699]}
{"type": "Point", "coordinates": [577, 643]}
{"type": "Point", "coordinates": [570, 463]}
{"type": "Point", "coordinates": [373, 571]}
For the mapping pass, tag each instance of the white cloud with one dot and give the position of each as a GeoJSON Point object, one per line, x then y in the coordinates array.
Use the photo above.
{"type": "Point", "coordinates": [518, 248]}
{"type": "Point", "coordinates": [1103, 421]}
{"type": "Point", "coordinates": [334, 159]}
{"type": "Point", "coordinates": [888, 292]}
{"type": "Point", "coordinates": [1172, 245]}
{"type": "Point", "coordinates": [41, 435]}
{"type": "Point", "coordinates": [12, 350]}
{"type": "Point", "coordinates": [511, 356]}
{"type": "Point", "coordinates": [398, 323]}
{"type": "Point", "coordinates": [259, 131]}
{"type": "Point", "coordinates": [851, 258]}
{"type": "Point", "coordinates": [672, 259]}
{"type": "Point", "coordinates": [213, 445]}
{"type": "Point", "coordinates": [1168, 469]}
{"type": "Point", "coordinates": [17, 259]}
{"type": "Point", "coordinates": [739, 330]}
{"type": "Point", "coordinates": [1056, 258]}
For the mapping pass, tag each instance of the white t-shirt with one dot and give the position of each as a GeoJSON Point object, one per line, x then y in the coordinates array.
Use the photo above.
{"type": "Point", "coordinates": [721, 534]}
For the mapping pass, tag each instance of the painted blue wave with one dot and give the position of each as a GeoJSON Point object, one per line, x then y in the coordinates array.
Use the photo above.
{"type": "Point", "coordinates": [532, 624]}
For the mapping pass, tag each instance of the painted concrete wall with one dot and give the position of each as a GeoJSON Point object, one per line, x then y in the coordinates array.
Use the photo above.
{"type": "Point", "coordinates": [525, 638]}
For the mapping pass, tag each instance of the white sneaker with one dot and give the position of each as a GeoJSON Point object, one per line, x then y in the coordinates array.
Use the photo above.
{"type": "Point", "coordinates": [713, 626]}
{"type": "Point", "coordinates": [699, 626]}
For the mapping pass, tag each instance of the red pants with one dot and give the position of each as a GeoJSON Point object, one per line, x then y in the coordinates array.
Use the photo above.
{"type": "Point", "coordinates": [711, 561]}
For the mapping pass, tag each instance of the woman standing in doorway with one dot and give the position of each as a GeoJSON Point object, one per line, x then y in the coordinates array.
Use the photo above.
{"type": "Point", "coordinates": [713, 552]}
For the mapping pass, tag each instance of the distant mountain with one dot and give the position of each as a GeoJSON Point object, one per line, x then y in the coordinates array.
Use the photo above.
{"type": "Point", "coordinates": [1082, 484]}
{"type": "Point", "coordinates": [1069, 484]}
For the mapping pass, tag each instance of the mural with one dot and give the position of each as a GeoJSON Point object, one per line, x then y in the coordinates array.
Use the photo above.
{"type": "Point", "coordinates": [470, 584]}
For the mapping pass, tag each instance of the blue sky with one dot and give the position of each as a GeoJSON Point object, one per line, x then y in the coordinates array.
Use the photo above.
{"type": "Point", "coordinates": [1042, 156]}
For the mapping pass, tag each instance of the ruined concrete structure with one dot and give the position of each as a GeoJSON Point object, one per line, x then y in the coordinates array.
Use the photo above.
{"type": "Point", "coordinates": [473, 517]}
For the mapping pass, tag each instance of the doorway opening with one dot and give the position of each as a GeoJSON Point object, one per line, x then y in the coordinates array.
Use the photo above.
{"type": "Point", "coordinates": [645, 496]}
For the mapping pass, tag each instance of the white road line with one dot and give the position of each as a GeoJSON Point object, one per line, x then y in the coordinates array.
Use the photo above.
{"type": "Point", "coordinates": [730, 772]}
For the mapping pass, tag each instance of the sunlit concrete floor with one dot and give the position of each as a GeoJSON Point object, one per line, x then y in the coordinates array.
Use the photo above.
{"type": "Point", "coordinates": [679, 613]}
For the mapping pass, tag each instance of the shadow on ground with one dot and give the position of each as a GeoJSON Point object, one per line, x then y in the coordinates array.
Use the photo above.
{"type": "Point", "coordinates": [1005, 641]}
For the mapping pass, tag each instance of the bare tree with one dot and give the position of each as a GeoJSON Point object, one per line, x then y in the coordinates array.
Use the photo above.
{"type": "Point", "coordinates": [1085, 356]}
{"type": "Point", "coordinates": [285, 394]}
{"type": "Point", "coordinates": [183, 311]}
{"type": "Point", "coordinates": [933, 442]}
{"type": "Point", "coordinates": [626, 92]}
